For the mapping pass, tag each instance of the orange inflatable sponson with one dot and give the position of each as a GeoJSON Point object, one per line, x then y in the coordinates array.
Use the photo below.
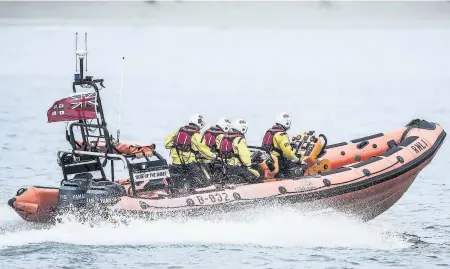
{"type": "Point", "coordinates": [36, 204]}
{"type": "Point", "coordinates": [361, 149]}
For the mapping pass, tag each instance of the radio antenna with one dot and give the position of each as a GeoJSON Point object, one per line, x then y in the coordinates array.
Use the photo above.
{"type": "Point", "coordinates": [76, 48]}
{"type": "Point", "coordinates": [85, 45]}
{"type": "Point", "coordinates": [120, 100]}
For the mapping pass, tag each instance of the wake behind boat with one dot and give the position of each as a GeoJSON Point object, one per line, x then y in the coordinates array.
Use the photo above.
{"type": "Point", "coordinates": [363, 177]}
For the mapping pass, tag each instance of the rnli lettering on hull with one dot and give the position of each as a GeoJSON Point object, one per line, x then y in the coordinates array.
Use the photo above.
{"type": "Point", "coordinates": [419, 146]}
{"type": "Point", "coordinates": [306, 186]}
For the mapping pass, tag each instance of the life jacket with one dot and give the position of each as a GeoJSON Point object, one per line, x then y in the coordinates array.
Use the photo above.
{"type": "Point", "coordinates": [182, 141]}
{"type": "Point", "coordinates": [210, 136]}
{"type": "Point", "coordinates": [267, 143]}
{"type": "Point", "coordinates": [226, 145]}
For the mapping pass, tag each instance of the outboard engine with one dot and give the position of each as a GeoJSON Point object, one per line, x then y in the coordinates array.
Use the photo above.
{"type": "Point", "coordinates": [104, 192]}
{"type": "Point", "coordinates": [73, 191]}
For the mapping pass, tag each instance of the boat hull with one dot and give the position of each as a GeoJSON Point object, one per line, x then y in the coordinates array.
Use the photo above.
{"type": "Point", "coordinates": [387, 166]}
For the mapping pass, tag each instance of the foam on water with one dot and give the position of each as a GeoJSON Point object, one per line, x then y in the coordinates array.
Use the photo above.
{"type": "Point", "coordinates": [269, 227]}
{"type": "Point", "coordinates": [7, 214]}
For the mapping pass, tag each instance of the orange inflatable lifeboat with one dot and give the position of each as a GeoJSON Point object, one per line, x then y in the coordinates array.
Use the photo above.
{"type": "Point", "coordinates": [364, 177]}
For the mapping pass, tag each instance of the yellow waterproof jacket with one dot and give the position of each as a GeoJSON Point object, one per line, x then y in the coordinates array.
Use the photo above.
{"type": "Point", "coordinates": [281, 143]}
{"type": "Point", "coordinates": [187, 157]}
{"type": "Point", "coordinates": [218, 140]}
{"type": "Point", "coordinates": [240, 148]}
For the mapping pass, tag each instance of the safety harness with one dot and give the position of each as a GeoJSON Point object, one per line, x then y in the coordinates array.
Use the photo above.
{"type": "Point", "coordinates": [210, 137]}
{"type": "Point", "coordinates": [226, 151]}
{"type": "Point", "coordinates": [182, 141]}
{"type": "Point", "coordinates": [267, 143]}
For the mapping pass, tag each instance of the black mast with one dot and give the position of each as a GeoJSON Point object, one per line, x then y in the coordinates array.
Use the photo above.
{"type": "Point", "coordinates": [83, 81]}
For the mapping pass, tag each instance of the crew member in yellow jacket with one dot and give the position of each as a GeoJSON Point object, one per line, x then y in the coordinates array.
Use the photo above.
{"type": "Point", "coordinates": [276, 141]}
{"type": "Point", "coordinates": [235, 153]}
{"type": "Point", "coordinates": [213, 135]}
{"type": "Point", "coordinates": [212, 138]}
{"type": "Point", "coordinates": [187, 152]}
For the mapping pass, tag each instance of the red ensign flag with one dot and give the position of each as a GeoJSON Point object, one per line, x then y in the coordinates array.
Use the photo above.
{"type": "Point", "coordinates": [78, 106]}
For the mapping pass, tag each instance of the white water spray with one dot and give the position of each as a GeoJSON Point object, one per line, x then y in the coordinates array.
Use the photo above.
{"type": "Point", "coordinates": [269, 227]}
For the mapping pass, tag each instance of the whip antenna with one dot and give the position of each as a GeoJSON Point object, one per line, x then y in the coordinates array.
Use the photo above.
{"type": "Point", "coordinates": [76, 48]}
{"type": "Point", "coordinates": [120, 100]}
{"type": "Point", "coordinates": [85, 45]}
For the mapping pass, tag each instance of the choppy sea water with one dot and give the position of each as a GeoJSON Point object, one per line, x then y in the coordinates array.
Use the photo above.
{"type": "Point", "coordinates": [344, 83]}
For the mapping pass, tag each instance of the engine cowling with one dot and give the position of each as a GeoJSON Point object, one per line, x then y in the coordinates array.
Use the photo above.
{"type": "Point", "coordinates": [72, 192]}
{"type": "Point", "coordinates": [103, 193]}
{"type": "Point", "coordinates": [83, 190]}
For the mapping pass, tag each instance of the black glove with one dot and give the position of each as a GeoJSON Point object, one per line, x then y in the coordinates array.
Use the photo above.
{"type": "Point", "coordinates": [257, 158]}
